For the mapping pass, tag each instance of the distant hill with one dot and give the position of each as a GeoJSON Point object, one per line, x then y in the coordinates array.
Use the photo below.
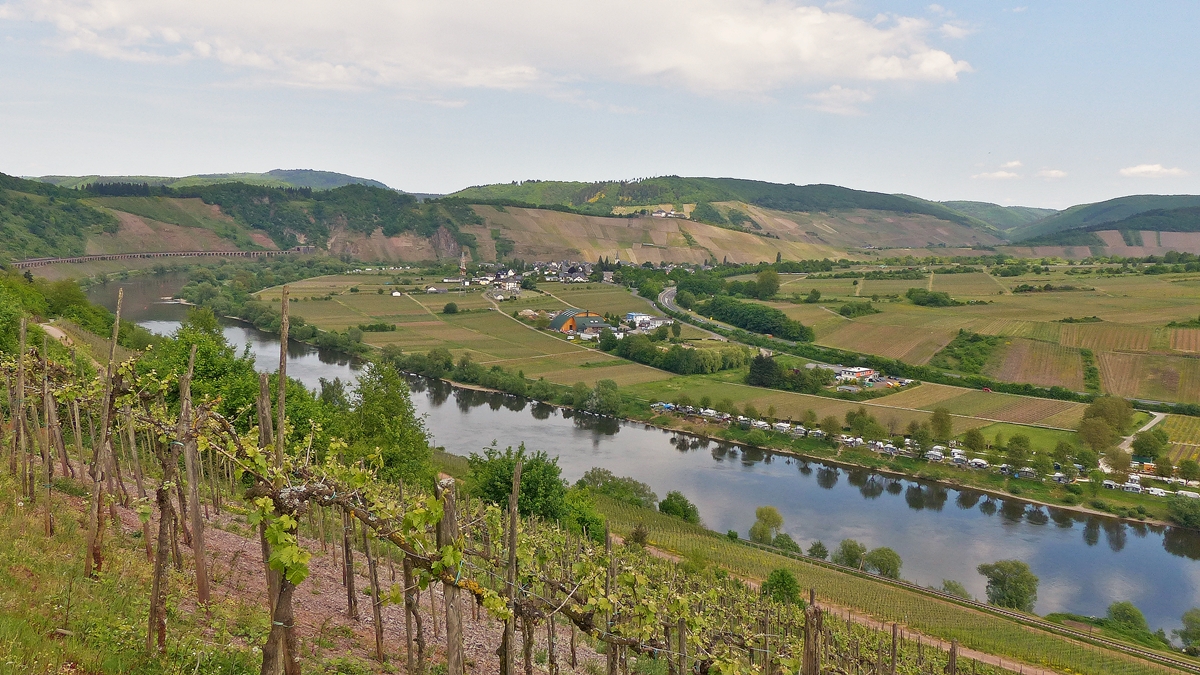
{"type": "Point", "coordinates": [1003, 218]}
{"type": "Point", "coordinates": [1086, 215]}
{"type": "Point", "coordinates": [40, 221]}
{"type": "Point", "coordinates": [297, 178]}
{"type": "Point", "coordinates": [1186, 219]}
{"type": "Point", "coordinates": [609, 197]}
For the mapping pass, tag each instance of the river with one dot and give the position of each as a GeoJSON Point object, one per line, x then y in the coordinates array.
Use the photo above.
{"type": "Point", "coordinates": [1084, 563]}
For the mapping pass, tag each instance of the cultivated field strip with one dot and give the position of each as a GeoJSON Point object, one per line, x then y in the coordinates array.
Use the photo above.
{"type": "Point", "coordinates": [1040, 363]}
{"type": "Point", "coordinates": [1185, 339]}
{"type": "Point", "coordinates": [909, 344]}
{"type": "Point", "coordinates": [1107, 337]}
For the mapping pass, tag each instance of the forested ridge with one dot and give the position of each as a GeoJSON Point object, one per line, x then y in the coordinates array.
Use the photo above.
{"type": "Point", "coordinates": [601, 197]}
{"type": "Point", "coordinates": [291, 216]}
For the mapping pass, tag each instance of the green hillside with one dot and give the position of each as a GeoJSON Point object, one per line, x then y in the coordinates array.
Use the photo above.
{"type": "Point", "coordinates": [39, 220]}
{"type": "Point", "coordinates": [296, 178]}
{"type": "Point", "coordinates": [1086, 215]}
{"type": "Point", "coordinates": [1185, 219]}
{"type": "Point", "coordinates": [601, 198]}
{"type": "Point", "coordinates": [1003, 218]}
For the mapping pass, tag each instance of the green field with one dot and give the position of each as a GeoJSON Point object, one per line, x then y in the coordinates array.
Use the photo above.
{"type": "Point", "coordinates": [1137, 354]}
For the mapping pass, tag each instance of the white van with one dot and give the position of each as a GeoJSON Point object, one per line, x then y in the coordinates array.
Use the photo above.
{"type": "Point", "coordinates": [1157, 492]}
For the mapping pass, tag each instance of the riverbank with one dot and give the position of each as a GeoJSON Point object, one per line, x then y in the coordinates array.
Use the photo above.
{"type": "Point", "coordinates": [852, 459]}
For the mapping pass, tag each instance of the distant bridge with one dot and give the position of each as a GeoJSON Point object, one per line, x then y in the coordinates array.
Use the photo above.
{"type": "Point", "coordinates": [41, 262]}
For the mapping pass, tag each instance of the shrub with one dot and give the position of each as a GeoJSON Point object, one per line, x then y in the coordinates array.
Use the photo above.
{"type": "Point", "coordinates": [676, 504]}
{"type": "Point", "coordinates": [450, 308]}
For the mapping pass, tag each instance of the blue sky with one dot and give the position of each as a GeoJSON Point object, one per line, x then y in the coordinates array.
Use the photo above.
{"type": "Point", "coordinates": [1041, 104]}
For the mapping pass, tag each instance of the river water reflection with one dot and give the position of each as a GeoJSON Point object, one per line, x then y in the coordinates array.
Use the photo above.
{"type": "Point", "coordinates": [1084, 562]}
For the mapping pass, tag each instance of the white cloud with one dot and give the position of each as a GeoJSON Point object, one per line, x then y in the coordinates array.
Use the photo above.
{"type": "Point", "coordinates": [1152, 171]}
{"type": "Point", "coordinates": [1011, 165]}
{"type": "Point", "coordinates": [840, 100]}
{"type": "Point", "coordinates": [997, 175]}
{"type": "Point", "coordinates": [707, 46]}
{"type": "Point", "coordinates": [955, 31]}
{"type": "Point", "coordinates": [1051, 174]}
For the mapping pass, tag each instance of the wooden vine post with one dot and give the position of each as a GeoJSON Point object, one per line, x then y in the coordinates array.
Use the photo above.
{"type": "Point", "coordinates": [376, 601]}
{"type": "Point", "coordinates": [168, 457]}
{"type": "Point", "coordinates": [952, 660]}
{"type": "Point", "coordinates": [447, 535]}
{"type": "Point", "coordinates": [95, 537]}
{"type": "Point", "coordinates": [810, 665]}
{"type": "Point", "coordinates": [47, 453]}
{"type": "Point", "coordinates": [17, 412]}
{"type": "Point", "coordinates": [137, 476]}
{"type": "Point", "coordinates": [895, 636]}
{"type": "Point", "coordinates": [191, 466]}
{"type": "Point", "coordinates": [610, 650]}
{"type": "Point", "coordinates": [508, 643]}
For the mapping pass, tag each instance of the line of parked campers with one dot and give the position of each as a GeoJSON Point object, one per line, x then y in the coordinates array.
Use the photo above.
{"type": "Point", "coordinates": [938, 453]}
{"type": "Point", "coordinates": [796, 430]}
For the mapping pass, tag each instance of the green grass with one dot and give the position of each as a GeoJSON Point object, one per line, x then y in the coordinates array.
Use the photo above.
{"type": "Point", "coordinates": [107, 619]}
{"type": "Point", "coordinates": [1040, 439]}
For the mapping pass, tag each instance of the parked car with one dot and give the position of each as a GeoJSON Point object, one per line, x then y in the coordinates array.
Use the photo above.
{"type": "Point", "coordinates": [1157, 492]}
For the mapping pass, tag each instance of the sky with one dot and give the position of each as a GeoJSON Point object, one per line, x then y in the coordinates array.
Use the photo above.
{"type": "Point", "coordinates": [1044, 104]}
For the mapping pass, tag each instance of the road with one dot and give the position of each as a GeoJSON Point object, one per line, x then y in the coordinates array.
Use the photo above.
{"type": "Point", "coordinates": [1128, 440]}
{"type": "Point", "coordinates": [667, 299]}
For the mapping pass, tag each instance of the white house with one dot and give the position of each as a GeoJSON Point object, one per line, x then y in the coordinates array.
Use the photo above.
{"type": "Point", "coordinates": [855, 373]}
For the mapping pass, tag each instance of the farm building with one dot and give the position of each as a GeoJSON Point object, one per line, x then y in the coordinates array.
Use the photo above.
{"type": "Point", "coordinates": [855, 373]}
{"type": "Point", "coordinates": [568, 320]}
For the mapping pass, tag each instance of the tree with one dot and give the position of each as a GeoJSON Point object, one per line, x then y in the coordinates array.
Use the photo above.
{"type": "Point", "coordinates": [1189, 469]}
{"type": "Point", "coordinates": [676, 329]}
{"type": "Point", "coordinates": [384, 424]}
{"type": "Point", "coordinates": [974, 441]}
{"type": "Point", "coordinates": [1150, 444]}
{"type": "Point", "coordinates": [450, 308]}
{"type": "Point", "coordinates": [608, 340]}
{"type": "Point", "coordinates": [621, 488]}
{"type": "Point", "coordinates": [1184, 511]}
{"type": "Point", "coordinates": [1190, 633]}
{"type": "Point", "coordinates": [767, 284]}
{"type": "Point", "coordinates": [831, 426]}
{"type": "Point", "coordinates": [1095, 481]}
{"type": "Point", "coordinates": [764, 372]}
{"type": "Point", "coordinates": [1114, 410]}
{"type": "Point", "coordinates": [605, 399]}
{"type": "Point", "coordinates": [922, 439]}
{"type": "Point", "coordinates": [1010, 584]}
{"type": "Point", "coordinates": [1062, 452]}
{"type": "Point", "coordinates": [542, 491]}
{"type": "Point", "coordinates": [781, 586]}
{"type": "Point", "coordinates": [1043, 464]}
{"type": "Point", "coordinates": [675, 504]}
{"type": "Point", "coordinates": [813, 297]}
{"type": "Point", "coordinates": [767, 523]}
{"type": "Point", "coordinates": [1163, 467]}
{"type": "Point", "coordinates": [817, 550]}
{"type": "Point", "coordinates": [883, 561]}
{"type": "Point", "coordinates": [751, 411]}
{"type": "Point", "coordinates": [784, 541]}
{"type": "Point", "coordinates": [685, 299]}
{"type": "Point", "coordinates": [849, 553]}
{"type": "Point", "coordinates": [1017, 452]}
{"type": "Point", "coordinates": [580, 393]}
{"type": "Point", "coordinates": [956, 589]}
{"type": "Point", "coordinates": [941, 424]}
{"type": "Point", "coordinates": [1126, 615]}
{"type": "Point", "coordinates": [1087, 458]}
{"type": "Point", "coordinates": [1097, 433]}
